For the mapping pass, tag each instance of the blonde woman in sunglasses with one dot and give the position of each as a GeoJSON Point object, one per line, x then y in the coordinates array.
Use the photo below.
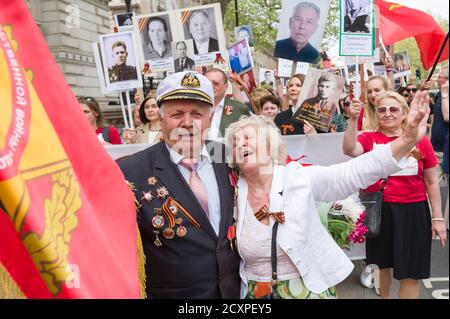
{"type": "Point", "coordinates": [403, 248]}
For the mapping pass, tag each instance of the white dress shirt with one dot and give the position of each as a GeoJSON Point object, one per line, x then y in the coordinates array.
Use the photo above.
{"type": "Point", "coordinates": [205, 171]}
{"type": "Point", "coordinates": [215, 123]}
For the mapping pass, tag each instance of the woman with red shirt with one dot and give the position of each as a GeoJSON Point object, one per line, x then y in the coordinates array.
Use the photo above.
{"type": "Point", "coordinates": [106, 134]}
{"type": "Point", "coordinates": [404, 243]}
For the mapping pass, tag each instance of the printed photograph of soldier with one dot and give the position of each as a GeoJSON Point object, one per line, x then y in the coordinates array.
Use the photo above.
{"type": "Point", "coordinates": [200, 26]}
{"type": "Point", "coordinates": [358, 16]}
{"type": "Point", "coordinates": [302, 25]}
{"type": "Point", "coordinates": [319, 98]}
{"type": "Point", "coordinates": [240, 57]}
{"type": "Point", "coordinates": [156, 36]}
{"type": "Point", "coordinates": [244, 32]}
{"type": "Point", "coordinates": [266, 77]}
{"type": "Point", "coordinates": [401, 60]}
{"type": "Point", "coordinates": [124, 19]}
{"type": "Point", "coordinates": [120, 57]}
{"type": "Point", "coordinates": [183, 54]}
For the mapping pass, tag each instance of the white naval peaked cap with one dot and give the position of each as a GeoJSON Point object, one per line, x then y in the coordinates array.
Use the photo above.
{"type": "Point", "coordinates": [186, 85]}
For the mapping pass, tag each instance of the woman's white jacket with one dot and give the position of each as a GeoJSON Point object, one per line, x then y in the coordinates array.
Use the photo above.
{"type": "Point", "coordinates": [295, 190]}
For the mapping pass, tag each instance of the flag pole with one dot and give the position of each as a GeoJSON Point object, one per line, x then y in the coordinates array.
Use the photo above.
{"type": "Point", "coordinates": [357, 87]}
{"type": "Point", "coordinates": [437, 59]}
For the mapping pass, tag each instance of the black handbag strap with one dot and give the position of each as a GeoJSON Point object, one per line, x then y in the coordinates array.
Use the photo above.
{"type": "Point", "coordinates": [273, 255]}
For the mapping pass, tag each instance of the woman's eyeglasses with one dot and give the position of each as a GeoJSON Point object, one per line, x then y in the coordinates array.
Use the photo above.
{"type": "Point", "coordinates": [394, 110]}
{"type": "Point", "coordinates": [414, 90]}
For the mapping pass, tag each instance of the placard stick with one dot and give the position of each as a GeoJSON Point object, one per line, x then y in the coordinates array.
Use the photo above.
{"type": "Point", "coordinates": [294, 68]}
{"type": "Point", "coordinates": [357, 84]}
{"type": "Point", "coordinates": [384, 48]}
{"type": "Point", "coordinates": [122, 106]}
{"type": "Point", "coordinates": [130, 114]}
{"type": "Point", "coordinates": [362, 75]}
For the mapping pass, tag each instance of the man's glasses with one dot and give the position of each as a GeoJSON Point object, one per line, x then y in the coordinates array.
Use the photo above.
{"type": "Point", "coordinates": [394, 110]}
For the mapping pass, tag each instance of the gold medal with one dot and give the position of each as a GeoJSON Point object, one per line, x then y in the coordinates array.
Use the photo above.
{"type": "Point", "coordinates": [181, 231]}
{"type": "Point", "coordinates": [179, 221]}
{"type": "Point", "coordinates": [168, 233]}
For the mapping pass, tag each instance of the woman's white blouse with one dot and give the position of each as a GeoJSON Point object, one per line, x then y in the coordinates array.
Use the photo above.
{"type": "Point", "coordinates": [255, 248]}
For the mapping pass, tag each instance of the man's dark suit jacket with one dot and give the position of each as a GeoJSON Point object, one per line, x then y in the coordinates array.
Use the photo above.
{"type": "Point", "coordinates": [188, 64]}
{"type": "Point", "coordinates": [201, 264]}
{"type": "Point", "coordinates": [212, 47]}
{"type": "Point", "coordinates": [286, 49]}
{"type": "Point", "coordinates": [359, 25]}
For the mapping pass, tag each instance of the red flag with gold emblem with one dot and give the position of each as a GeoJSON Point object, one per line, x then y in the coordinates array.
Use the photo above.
{"type": "Point", "coordinates": [67, 217]}
{"type": "Point", "coordinates": [398, 22]}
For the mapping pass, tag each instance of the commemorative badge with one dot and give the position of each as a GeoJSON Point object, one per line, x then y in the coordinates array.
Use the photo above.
{"type": "Point", "coordinates": [157, 241]}
{"type": "Point", "coordinates": [168, 233]}
{"type": "Point", "coordinates": [228, 110]}
{"type": "Point", "coordinates": [147, 196]}
{"type": "Point", "coordinates": [181, 231]}
{"type": "Point", "coordinates": [162, 192]}
{"type": "Point", "coordinates": [158, 220]}
{"type": "Point", "coordinates": [152, 181]}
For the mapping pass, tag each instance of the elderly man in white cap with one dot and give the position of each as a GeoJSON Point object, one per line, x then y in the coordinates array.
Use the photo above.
{"type": "Point", "coordinates": [186, 199]}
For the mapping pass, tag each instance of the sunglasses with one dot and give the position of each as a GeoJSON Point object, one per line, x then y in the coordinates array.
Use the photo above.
{"type": "Point", "coordinates": [394, 110]}
{"type": "Point", "coordinates": [411, 90]}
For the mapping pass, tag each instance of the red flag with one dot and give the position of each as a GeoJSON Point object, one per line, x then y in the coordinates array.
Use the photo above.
{"type": "Point", "coordinates": [398, 22]}
{"type": "Point", "coordinates": [67, 218]}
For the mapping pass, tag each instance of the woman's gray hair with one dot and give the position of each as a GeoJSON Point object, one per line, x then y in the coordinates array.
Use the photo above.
{"type": "Point", "coordinates": [276, 147]}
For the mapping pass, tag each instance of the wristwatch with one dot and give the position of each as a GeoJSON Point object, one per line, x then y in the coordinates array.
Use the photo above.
{"type": "Point", "coordinates": [437, 219]}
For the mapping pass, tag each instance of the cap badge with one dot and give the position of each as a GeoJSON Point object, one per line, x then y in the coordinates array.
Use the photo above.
{"type": "Point", "coordinates": [190, 81]}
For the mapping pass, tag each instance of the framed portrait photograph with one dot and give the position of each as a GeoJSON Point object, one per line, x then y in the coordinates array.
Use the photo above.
{"type": "Point", "coordinates": [120, 61]}
{"type": "Point", "coordinates": [319, 99]}
{"type": "Point", "coordinates": [203, 25]}
{"type": "Point", "coordinates": [155, 38]}
{"type": "Point", "coordinates": [402, 66]}
{"type": "Point", "coordinates": [249, 80]}
{"type": "Point", "coordinates": [301, 29]}
{"type": "Point", "coordinates": [266, 77]}
{"type": "Point", "coordinates": [357, 30]}
{"type": "Point", "coordinates": [124, 21]}
{"type": "Point", "coordinates": [244, 32]}
{"type": "Point", "coordinates": [183, 54]}
{"type": "Point", "coordinates": [350, 73]}
{"type": "Point", "coordinates": [100, 70]}
{"type": "Point", "coordinates": [240, 57]}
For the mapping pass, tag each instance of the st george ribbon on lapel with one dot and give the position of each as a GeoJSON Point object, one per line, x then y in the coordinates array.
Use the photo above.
{"type": "Point", "coordinates": [196, 184]}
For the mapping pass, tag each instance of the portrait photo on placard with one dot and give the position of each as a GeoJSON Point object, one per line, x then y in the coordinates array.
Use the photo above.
{"type": "Point", "coordinates": [248, 79]}
{"type": "Point", "coordinates": [124, 21]}
{"type": "Point", "coordinates": [266, 77]}
{"type": "Point", "coordinates": [244, 32]}
{"type": "Point", "coordinates": [155, 38]}
{"type": "Point", "coordinates": [122, 71]}
{"type": "Point", "coordinates": [319, 98]}
{"type": "Point", "coordinates": [357, 16]}
{"type": "Point", "coordinates": [200, 26]}
{"type": "Point", "coordinates": [183, 53]}
{"type": "Point", "coordinates": [350, 73]}
{"type": "Point", "coordinates": [301, 28]}
{"type": "Point", "coordinates": [240, 57]}
{"type": "Point", "coordinates": [402, 67]}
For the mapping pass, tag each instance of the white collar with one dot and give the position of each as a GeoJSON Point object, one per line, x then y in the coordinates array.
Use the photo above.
{"type": "Point", "coordinates": [177, 157]}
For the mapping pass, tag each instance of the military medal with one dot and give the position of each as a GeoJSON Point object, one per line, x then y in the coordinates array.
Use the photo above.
{"type": "Point", "coordinates": [157, 241]}
{"type": "Point", "coordinates": [173, 209]}
{"type": "Point", "coordinates": [179, 221]}
{"type": "Point", "coordinates": [158, 221]}
{"type": "Point", "coordinates": [147, 196]}
{"type": "Point", "coordinates": [152, 181]}
{"type": "Point", "coordinates": [168, 233]}
{"type": "Point", "coordinates": [162, 192]}
{"type": "Point", "coordinates": [181, 231]}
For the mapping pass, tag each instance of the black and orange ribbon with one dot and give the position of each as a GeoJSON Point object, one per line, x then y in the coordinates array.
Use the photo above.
{"type": "Point", "coordinates": [264, 212]}
{"type": "Point", "coordinates": [171, 217]}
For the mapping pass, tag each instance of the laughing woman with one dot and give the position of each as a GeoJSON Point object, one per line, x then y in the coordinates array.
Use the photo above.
{"type": "Point", "coordinates": [307, 260]}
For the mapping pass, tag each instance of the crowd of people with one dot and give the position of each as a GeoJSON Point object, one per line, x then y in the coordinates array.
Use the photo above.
{"type": "Point", "coordinates": [188, 177]}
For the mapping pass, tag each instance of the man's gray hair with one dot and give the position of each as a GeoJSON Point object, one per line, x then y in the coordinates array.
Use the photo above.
{"type": "Point", "coordinates": [306, 5]}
